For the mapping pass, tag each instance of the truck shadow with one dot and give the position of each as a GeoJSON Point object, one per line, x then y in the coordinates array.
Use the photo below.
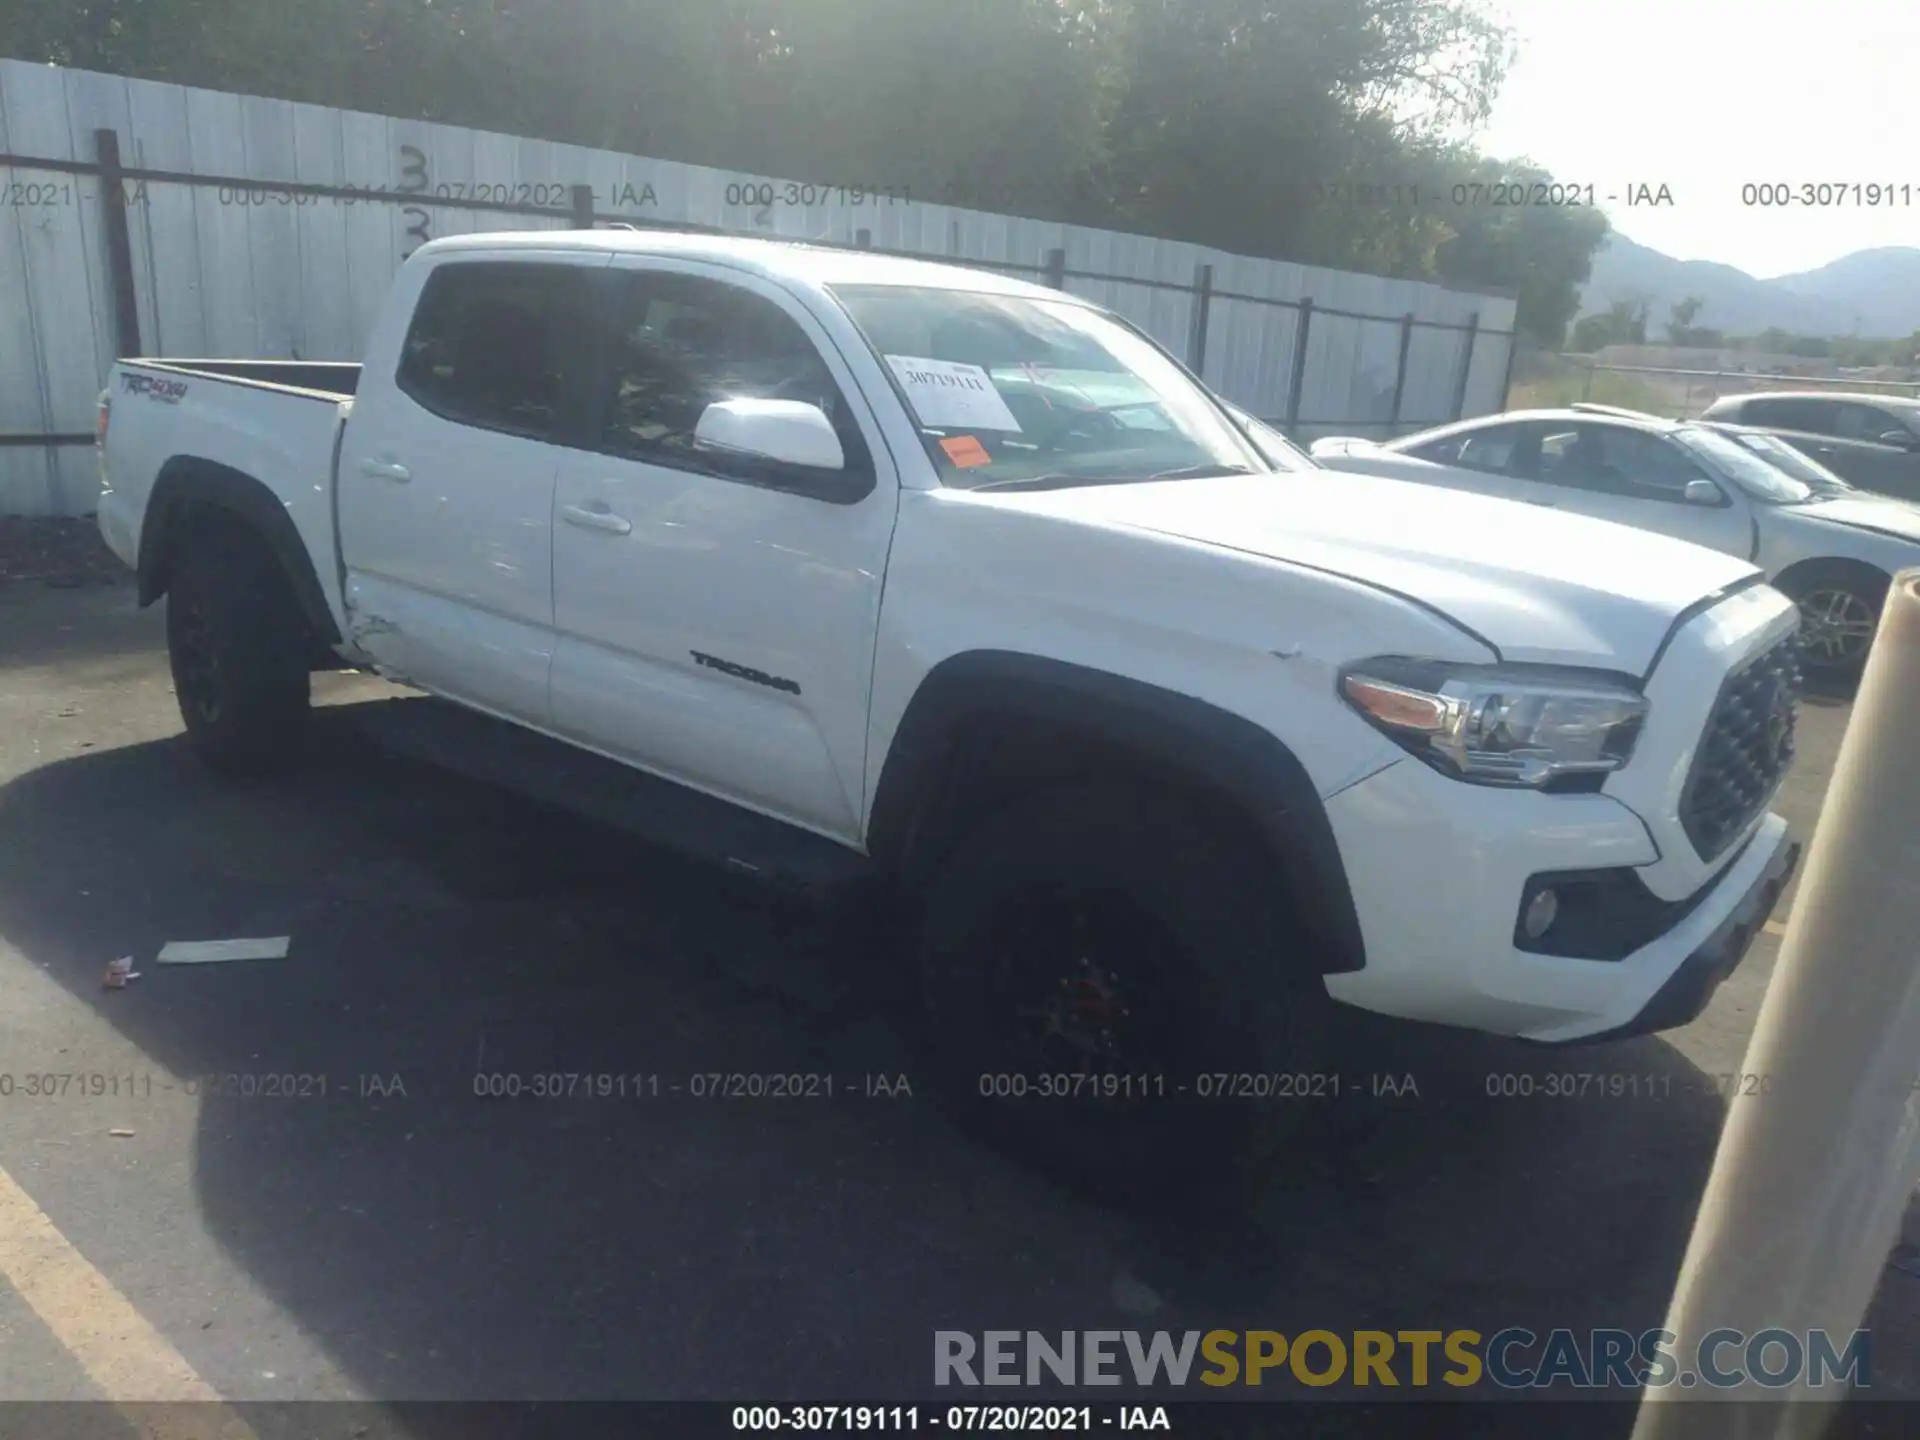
{"type": "Point", "coordinates": [631, 1239]}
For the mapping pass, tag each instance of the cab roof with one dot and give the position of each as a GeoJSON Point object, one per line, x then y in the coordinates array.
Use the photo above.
{"type": "Point", "coordinates": [773, 259]}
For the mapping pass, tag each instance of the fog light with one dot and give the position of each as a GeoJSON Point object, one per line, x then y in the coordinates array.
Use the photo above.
{"type": "Point", "coordinates": [1542, 910]}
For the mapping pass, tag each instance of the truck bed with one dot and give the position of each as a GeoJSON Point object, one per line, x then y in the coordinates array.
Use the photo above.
{"type": "Point", "coordinates": [273, 424]}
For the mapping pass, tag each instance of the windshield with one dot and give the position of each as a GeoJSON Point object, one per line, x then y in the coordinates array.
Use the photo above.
{"type": "Point", "coordinates": [1762, 478]}
{"type": "Point", "coordinates": [1808, 471]}
{"type": "Point", "coordinates": [1009, 390]}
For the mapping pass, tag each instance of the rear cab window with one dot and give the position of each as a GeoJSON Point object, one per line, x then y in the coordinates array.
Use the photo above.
{"type": "Point", "coordinates": [487, 344]}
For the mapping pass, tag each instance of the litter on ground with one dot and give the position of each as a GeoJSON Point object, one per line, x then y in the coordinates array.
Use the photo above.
{"type": "Point", "coordinates": [207, 952]}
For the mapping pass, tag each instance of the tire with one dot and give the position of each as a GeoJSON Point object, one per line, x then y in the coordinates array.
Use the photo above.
{"type": "Point", "coordinates": [238, 647]}
{"type": "Point", "coordinates": [1118, 934]}
{"type": "Point", "coordinates": [1840, 602]}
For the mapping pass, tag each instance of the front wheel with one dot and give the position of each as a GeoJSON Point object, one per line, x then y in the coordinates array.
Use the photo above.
{"type": "Point", "coordinates": [1839, 603]}
{"type": "Point", "coordinates": [1112, 987]}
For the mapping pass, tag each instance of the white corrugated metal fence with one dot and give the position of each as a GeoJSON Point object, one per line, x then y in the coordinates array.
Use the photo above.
{"type": "Point", "coordinates": [255, 269]}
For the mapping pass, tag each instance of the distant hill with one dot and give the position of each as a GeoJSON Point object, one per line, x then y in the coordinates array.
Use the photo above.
{"type": "Point", "coordinates": [1873, 293]}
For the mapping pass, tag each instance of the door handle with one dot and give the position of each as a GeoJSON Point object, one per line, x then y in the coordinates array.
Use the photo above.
{"type": "Point", "coordinates": [386, 470]}
{"type": "Point", "coordinates": [1549, 504]}
{"type": "Point", "coordinates": [595, 519]}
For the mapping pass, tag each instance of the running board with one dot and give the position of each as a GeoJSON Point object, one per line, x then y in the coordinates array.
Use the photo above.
{"type": "Point", "coordinates": [660, 812]}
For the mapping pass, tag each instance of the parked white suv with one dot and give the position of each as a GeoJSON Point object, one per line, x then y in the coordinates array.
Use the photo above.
{"type": "Point", "coordinates": [1741, 491]}
{"type": "Point", "coordinates": [889, 569]}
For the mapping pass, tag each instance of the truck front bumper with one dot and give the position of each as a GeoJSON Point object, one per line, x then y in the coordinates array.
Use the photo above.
{"type": "Point", "coordinates": [1438, 870]}
{"type": "Point", "coordinates": [1690, 987]}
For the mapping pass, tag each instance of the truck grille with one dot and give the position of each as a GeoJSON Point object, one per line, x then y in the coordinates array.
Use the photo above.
{"type": "Point", "coordinates": [1745, 750]}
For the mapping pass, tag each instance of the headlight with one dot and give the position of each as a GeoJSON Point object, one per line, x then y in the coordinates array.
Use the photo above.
{"type": "Point", "coordinates": [1499, 724]}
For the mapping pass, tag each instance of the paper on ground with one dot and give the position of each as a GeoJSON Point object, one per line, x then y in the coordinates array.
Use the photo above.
{"type": "Point", "coordinates": [205, 952]}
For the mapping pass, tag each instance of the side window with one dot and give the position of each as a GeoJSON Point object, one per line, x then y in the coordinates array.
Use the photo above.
{"type": "Point", "coordinates": [686, 342]}
{"type": "Point", "coordinates": [1862, 422]}
{"type": "Point", "coordinates": [1439, 452]}
{"type": "Point", "coordinates": [1613, 460]}
{"type": "Point", "coordinates": [1647, 466]}
{"type": "Point", "coordinates": [1490, 449]}
{"type": "Point", "coordinates": [1559, 462]}
{"type": "Point", "coordinates": [1815, 417]}
{"type": "Point", "coordinates": [485, 346]}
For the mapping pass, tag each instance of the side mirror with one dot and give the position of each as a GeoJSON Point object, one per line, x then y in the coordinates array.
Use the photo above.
{"type": "Point", "coordinates": [1701, 492]}
{"type": "Point", "coordinates": [788, 432]}
{"type": "Point", "coordinates": [1901, 440]}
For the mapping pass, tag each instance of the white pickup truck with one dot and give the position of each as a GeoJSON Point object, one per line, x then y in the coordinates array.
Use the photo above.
{"type": "Point", "coordinates": [878, 568]}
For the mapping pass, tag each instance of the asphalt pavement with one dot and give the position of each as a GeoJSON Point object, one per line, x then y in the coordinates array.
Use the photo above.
{"type": "Point", "coordinates": [378, 1227]}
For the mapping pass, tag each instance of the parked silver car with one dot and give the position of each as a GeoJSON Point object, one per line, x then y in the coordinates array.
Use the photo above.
{"type": "Point", "coordinates": [1830, 546]}
{"type": "Point", "coordinates": [1871, 440]}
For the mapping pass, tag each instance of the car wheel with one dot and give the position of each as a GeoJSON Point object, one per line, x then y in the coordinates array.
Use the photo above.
{"type": "Point", "coordinates": [1110, 988]}
{"type": "Point", "coordinates": [238, 648]}
{"type": "Point", "coordinates": [1839, 604]}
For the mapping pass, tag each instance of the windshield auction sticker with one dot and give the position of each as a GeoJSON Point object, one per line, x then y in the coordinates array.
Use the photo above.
{"type": "Point", "coordinates": [966, 451]}
{"type": "Point", "coordinates": [948, 395]}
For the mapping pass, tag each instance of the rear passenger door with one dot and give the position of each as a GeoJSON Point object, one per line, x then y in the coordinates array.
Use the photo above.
{"type": "Point", "coordinates": [716, 613]}
{"type": "Point", "coordinates": [445, 481]}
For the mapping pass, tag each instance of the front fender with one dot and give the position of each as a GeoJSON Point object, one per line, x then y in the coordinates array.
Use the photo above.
{"type": "Point", "coordinates": [1173, 734]}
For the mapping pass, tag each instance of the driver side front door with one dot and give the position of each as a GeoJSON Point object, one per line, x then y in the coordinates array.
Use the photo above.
{"type": "Point", "coordinates": [715, 619]}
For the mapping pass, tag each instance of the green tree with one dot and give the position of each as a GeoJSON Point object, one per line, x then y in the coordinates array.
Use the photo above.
{"type": "Point", "coordinates": [1682, 331]}
{"type": "Point", "coordinates": [1680, 319]}
{"type": "Point", "coordinates": [1296, 130]}
{"type": "Point", "coordinates": [998, 104]}
{"type": "Point", "coordinates": [1622, 323]}
{"type": "Point", "coordinates": [1544, 252]}
{"type": "Point", "coordinates": [1327, 132]}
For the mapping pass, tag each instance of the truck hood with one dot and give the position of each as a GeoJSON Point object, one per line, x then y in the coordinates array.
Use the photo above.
{"type": "Point", "coordinates": [1538, 585]}
{"type": "Point", "coordinates": [1881, 513]}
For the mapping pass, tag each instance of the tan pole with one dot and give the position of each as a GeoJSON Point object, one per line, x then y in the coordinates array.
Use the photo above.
{"type": "Point", "coordinates": [1813, 1173]}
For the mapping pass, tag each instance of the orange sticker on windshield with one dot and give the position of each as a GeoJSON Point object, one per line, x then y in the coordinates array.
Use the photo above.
{"type": "Point", "coordinates": [966, 451]}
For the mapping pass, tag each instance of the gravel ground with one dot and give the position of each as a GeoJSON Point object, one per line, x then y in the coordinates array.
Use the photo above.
{"type": "Point", "coordinates": [65, 553]}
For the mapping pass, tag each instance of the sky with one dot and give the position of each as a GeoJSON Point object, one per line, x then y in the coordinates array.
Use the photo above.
{"type": "Point", "coordinates": [1705, 96]}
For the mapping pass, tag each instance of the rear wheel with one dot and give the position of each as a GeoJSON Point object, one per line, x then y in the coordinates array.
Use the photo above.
{"type": "Point", "coordinates": [1111, 987]}
{"type": "Point", "coordinates": [238, 647]}
{"type": "Point", "coordinates": [1839, 603]}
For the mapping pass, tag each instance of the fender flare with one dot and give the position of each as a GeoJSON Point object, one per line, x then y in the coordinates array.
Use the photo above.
{"type": "Point", "coordinates": [186, 483]}
{"type": "Point", "coordinates": [1226, 754]}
